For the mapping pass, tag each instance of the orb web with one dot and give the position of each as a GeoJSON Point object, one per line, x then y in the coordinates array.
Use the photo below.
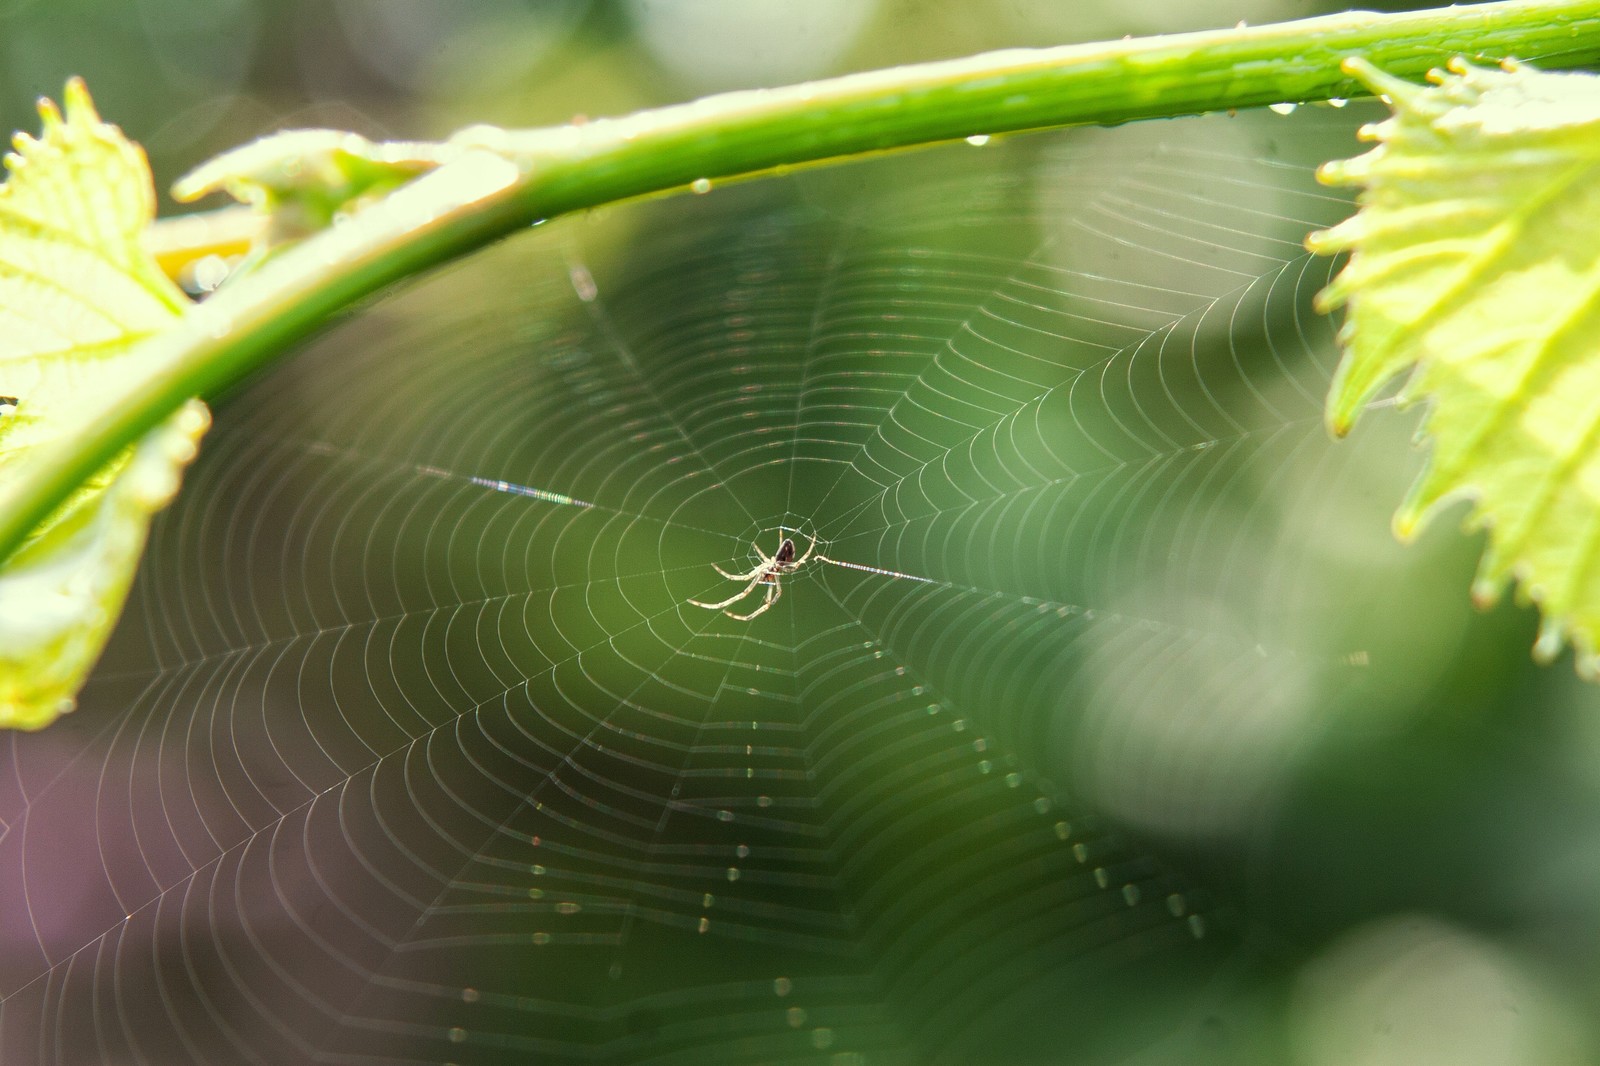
{"type": "Point", "coordinates": [412, 747]}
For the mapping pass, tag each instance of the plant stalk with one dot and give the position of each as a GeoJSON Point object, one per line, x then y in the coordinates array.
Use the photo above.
{"type": "Point", "coordinates": [503, 181]}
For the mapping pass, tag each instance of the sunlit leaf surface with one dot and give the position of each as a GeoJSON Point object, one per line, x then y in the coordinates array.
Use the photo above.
{"type": "Point", "coordinates": [77, 295]}
{"type": "Point", "coordinates": [1475, 268]}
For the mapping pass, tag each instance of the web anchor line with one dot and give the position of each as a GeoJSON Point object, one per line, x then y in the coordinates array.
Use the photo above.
{"type": "Point", "coordinates": [509, 488]}
{"type": "Point", "coordinates": [878, 570]}
{"type": "Point", "coordinates": [512, 488]}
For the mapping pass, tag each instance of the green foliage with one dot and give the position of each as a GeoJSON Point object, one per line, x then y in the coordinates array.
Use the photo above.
{"type": "Point", "coordinates": [78, 293]}
{"type": "Point", "coordinates": [1474, 268]}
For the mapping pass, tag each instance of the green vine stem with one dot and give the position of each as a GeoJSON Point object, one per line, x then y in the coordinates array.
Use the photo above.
{"type": "Point", "coordinates": [499, 182]}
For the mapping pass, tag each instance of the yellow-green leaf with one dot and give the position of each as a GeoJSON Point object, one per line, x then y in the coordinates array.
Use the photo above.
{"type": "Point", "coordinates": [1475, 266]}
{"type": "Point", "coordinates": [61, 594]}
{"type": "Point", "coordinates": [78, 293]}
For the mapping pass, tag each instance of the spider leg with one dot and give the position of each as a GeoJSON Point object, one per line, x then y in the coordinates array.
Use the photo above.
{"type": "Point", "coordinates": [762, 566]}
{"type": "Point", "coordinates": [774, 590]}
{"type": "Point", "coordinates": [741, 594]}
{"type": "Point", "coordinates": [811, 548]}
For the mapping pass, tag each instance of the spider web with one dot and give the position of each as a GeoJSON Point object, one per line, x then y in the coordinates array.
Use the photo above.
{"type": "Point", "coordinates": [412, 749]}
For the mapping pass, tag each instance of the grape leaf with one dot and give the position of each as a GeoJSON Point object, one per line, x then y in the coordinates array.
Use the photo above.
{"type": "Point", "coordinates": [1474, 266]}
{"type": "Point", "coordinates": [78, 293]}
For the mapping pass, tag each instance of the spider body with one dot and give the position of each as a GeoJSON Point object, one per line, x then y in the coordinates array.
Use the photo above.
{"type": "Point", "coordinates": [767, 572]}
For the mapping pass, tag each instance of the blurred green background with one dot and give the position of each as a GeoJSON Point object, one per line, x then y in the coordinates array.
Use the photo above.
{"type": "Point", "coordinates": [189, 80]}
{"type": "Point", "coordinates": [1161, 752]}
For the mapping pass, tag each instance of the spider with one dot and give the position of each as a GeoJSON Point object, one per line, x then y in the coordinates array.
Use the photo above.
{"type": "Point", "coordinates": [766, 572]}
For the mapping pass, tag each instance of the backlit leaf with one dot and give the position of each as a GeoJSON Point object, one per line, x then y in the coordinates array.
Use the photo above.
{"type": "Point", "coordinates": [78, 293]}
{"type": "Point", "coordinates": [1474, 266]}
